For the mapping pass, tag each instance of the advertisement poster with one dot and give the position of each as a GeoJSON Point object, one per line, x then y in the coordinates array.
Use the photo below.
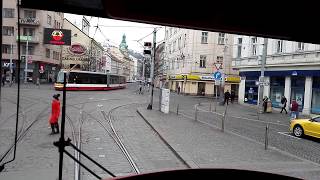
{"type": "Point", "coordinates": [278, 97]}
{"type": "Point", "coordinates": [299, 99]}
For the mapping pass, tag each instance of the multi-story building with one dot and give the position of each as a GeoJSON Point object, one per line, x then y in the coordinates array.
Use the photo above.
{"type": "Point", "coordinates": [192, 56]}
{"type": "Point", "coordinates": [43, 60]}
{"type": "Point", "coordinates": [159, 65]}
{"type": "Point", "coordinates": [85, 53]}
{"type": "Point", "coordinates": [291, 70]}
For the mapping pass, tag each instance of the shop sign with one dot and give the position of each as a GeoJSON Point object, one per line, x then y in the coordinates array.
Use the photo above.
{"type": "Point", "coordinates": [30, 21]}
{"type": "Point", "coordinates": [233, 79]}
{"type": "Point", "coordinates": [77, 49]}
{"type": "Point", "coordinates": [57, 36]}
{"type": "Point", "coordinates": [207, 78]}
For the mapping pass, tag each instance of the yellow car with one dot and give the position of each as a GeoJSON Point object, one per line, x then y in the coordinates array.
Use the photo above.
{"type": "Point", "coordinates": [309, 127]}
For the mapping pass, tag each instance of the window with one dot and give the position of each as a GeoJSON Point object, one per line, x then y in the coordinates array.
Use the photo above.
{"type": "Point", "coordinates": [28, 31]}
{"type": "Point", "coordinates": [29, 14]}
{"type": "Point", "coordinates": [174, 46]}
{"type": "Point", "coordinates": [175, 30]}
{"type": "Point", "coordinates": [185, 40]}
{"type": "Point", "coordinates": [254, 46]}
{"type": "Point", "coordinates": [204, 37]}
{"type": "Point", "coordinates": [48, 53]}
{"type": "Point", "coordinates": [169, 47]}
{"type": "Point", "coordinates": [30, 49]}
{"type": "Point", "coordinates": [7, 31]}
{"type": "Point", "coordinates": [8, 13]}
{"type": "Point", "coordinates": [55, 55]}
{"type": "Point", "coordinates": [55, 24]}
{"type": "Point", "coordinates": [239, 47]}
{"type": "Point", "coordinates": [279, 46]}
{"type": "Point", "coordinates": [300, 46]}
{"type": "Point", "coordinates": [172, 64]}
{"type": "Point", "coordinates": [220, 59]}
{"type": "Point", "coordinates": [49, 19]}
{"type": "Point", "coordinates": [170, 32]}
{"type": "Point", "coordinates": [167, 34]}
{"type": "Point", "coordinates": [203, 59]}
{"type": "Point", "coordinates": [179, 43]}
{"type": "Point", "coordinates": [6, 49]}
{"type": "Point", "coordinates": [178, 64]}
{"type": "Point", "coordinates": [221, 38]}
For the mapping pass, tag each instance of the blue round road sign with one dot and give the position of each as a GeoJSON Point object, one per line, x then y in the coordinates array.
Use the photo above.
{"type": "Point", "coordinates": [217, 75]}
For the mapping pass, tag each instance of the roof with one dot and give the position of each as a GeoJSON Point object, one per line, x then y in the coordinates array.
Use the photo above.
{"type": "Point", "coordinates": [274, 19]}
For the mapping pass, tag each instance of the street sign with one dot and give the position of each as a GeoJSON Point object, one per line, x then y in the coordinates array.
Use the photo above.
{"type": "Point", "coordinates": [217, 82]}
{"type": "Point", "coordinates": [262, 83]}
{"type": "Point", "coordinates": [217, 75]}
{"type": "Point", "coordinates": [218, 65]}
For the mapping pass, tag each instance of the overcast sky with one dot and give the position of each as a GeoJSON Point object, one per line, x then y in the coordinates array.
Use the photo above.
{"type": "Point", "coordinates": [114, 29]}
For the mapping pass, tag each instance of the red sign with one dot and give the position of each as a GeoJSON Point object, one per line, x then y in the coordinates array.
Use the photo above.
{"type": "Point", "coordinates": [77, 49]}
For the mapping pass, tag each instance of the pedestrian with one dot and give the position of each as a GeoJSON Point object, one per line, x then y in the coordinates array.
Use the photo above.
{"type": "Point", "coordinates": [232, 96]}
{"type": "Point", "coordinates": [283, 104]}
{"type": "Point", "coordinates": [178, 89]}
{"type": "Point", "coordinates": [140, 88]}
{"type": "Point", "coordinates": [226, 97]}
{"type": "Point", "coordinates": [38, 82]}
{"type": "Point", "coordinates": [55, 113]}
{"type": "Point", "coordinates": [294, 109]}
{"type": "Point", "coordinates": [3, 78]}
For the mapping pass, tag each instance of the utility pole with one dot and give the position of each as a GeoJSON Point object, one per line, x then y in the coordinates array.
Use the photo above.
{"type": "Point", "coordinates": [143, 69]}
{"type": "Point", "coordinates": [223, 75]}
{"type": "Point", "coordinates": [26, 61]}
{"type": "Point", "coordinates": [261, 79]}
{"type": "Point", "coordinates": [152, 67]}
{"type": "Point", "coordinates": [11, 52]}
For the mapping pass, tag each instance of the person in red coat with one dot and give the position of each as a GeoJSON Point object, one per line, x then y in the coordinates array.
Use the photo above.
{"type": "Point", "coordinates": [55, 113]}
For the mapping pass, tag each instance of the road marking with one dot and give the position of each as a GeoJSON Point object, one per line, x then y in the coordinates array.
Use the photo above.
{"type": "Point", "coordinates": [99, 148]}
{"type": "Point", "coordinates": [288, 134]}
{"type": "Point", "coordinates": [102, 155]}
{"type": "Point", "coordinates": [99, 105]}
{"type": "Point", "coordinates": [97, 139]}
{"type": "Point", "coordinates": [91, 98]}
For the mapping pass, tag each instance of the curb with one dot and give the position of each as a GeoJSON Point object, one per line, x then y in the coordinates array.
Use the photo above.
{"type": "Point", "coordinates": [182, 156]}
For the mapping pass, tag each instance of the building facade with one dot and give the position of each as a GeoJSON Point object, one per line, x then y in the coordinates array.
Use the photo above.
{"type": "Point", "coordinates": [291, 70]}
{"type": "Point", "coordinates": [192, 56]}
{"type": "Point", "coordinates": [43, 61]}
{"type": "Point", "coordinates": [84, 53]}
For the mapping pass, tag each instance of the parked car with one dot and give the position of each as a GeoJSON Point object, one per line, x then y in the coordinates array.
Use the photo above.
{"type": "Point", "coordinates": [309, 127]}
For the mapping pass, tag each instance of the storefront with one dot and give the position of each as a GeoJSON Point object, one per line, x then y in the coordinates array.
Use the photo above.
{"type": "Point", "coordinates": [297, 90]}
{"type": "Point", "coordinates": [276, 90]}
{"type": "Point", "coordinates": [315, 105]}
{"type": "Point", "coordinates": [251, 90]}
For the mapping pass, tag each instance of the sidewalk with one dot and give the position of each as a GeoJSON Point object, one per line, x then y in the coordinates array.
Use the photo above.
{"type": "Point", "coordinates": [205, 147]}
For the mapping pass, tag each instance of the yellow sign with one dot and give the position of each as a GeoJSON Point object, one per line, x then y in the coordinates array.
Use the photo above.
{"type": "Point", "coordinates": [233, 79]}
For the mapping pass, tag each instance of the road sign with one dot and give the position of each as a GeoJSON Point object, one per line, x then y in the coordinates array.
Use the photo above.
{"type": "Point", "coordinates": [217, 75]}
{"type": "Point", "coordinates": [217, 82]}
{"type": "Point", "coordinates": [262, 83]}
{"type": "Point", "coordinates": [218, 65]}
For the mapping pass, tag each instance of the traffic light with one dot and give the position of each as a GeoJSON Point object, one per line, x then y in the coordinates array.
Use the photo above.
{"type": "Point", "coordinates": [147, 48]}
{"type": "Point", "coordinates": [147, 51]}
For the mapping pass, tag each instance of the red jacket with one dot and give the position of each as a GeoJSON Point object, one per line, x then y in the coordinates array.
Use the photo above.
{"type": "Point", "coordinates": [55, 111]}
{"type": "Point", "coordinates": [294, 106]}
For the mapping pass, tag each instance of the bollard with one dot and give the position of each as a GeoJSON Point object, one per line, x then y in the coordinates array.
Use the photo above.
{"type": "Point", "coordinates": [178, 109]}
{"type": "Point", "coordinates": [199, 103]}
{"type": "Point", "coordinates": [210, 107]}
{"type": "Point", "coordinates": [266, 137]}
{"type": "Point", "coordinates": [215, 107]}
{"type": "Point", "coordinates": [196, 114]}
{"type": "Point", "coordinates": [224, 118]}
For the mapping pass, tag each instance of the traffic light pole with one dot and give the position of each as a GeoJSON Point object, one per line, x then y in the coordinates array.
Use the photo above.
{"type": "Point", "coordinates": [261, 79]}
{"type": "Point", "coordinates": [152, 67]}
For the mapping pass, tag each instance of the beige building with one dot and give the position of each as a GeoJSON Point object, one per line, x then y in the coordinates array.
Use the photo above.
{"type": "Point", "coordinates": [192, 56]}
{"type": "Point", "coordinates": [84, 53]}
{"type": "Point", "coordinates": [43, 60]}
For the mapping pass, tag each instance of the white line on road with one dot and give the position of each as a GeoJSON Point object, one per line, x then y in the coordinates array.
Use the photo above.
{"type": "Point", "coordinates": [287, 134]}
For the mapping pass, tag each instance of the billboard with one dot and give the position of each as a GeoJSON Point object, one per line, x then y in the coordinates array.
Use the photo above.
{"type": "Point", "coordinates": [57, 36]}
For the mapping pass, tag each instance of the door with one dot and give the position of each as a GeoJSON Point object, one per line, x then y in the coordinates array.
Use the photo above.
{"type": "Point", "coordinates": [201, 88]}
{"type": "Point", "coordinates": [313, 128]}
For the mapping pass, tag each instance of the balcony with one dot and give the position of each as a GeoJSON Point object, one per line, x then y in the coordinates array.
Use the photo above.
{"type": "Point", "coordinates": [30, 39]}
{"type": "Point", "coordinates": [29, 21]}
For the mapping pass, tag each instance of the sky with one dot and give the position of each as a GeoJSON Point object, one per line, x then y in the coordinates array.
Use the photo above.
{"type": "Point", "coordinates": [113, 30]}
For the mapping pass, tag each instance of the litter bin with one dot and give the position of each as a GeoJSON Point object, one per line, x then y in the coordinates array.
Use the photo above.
{"type": "Point", "coordinates": [269, 107]}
